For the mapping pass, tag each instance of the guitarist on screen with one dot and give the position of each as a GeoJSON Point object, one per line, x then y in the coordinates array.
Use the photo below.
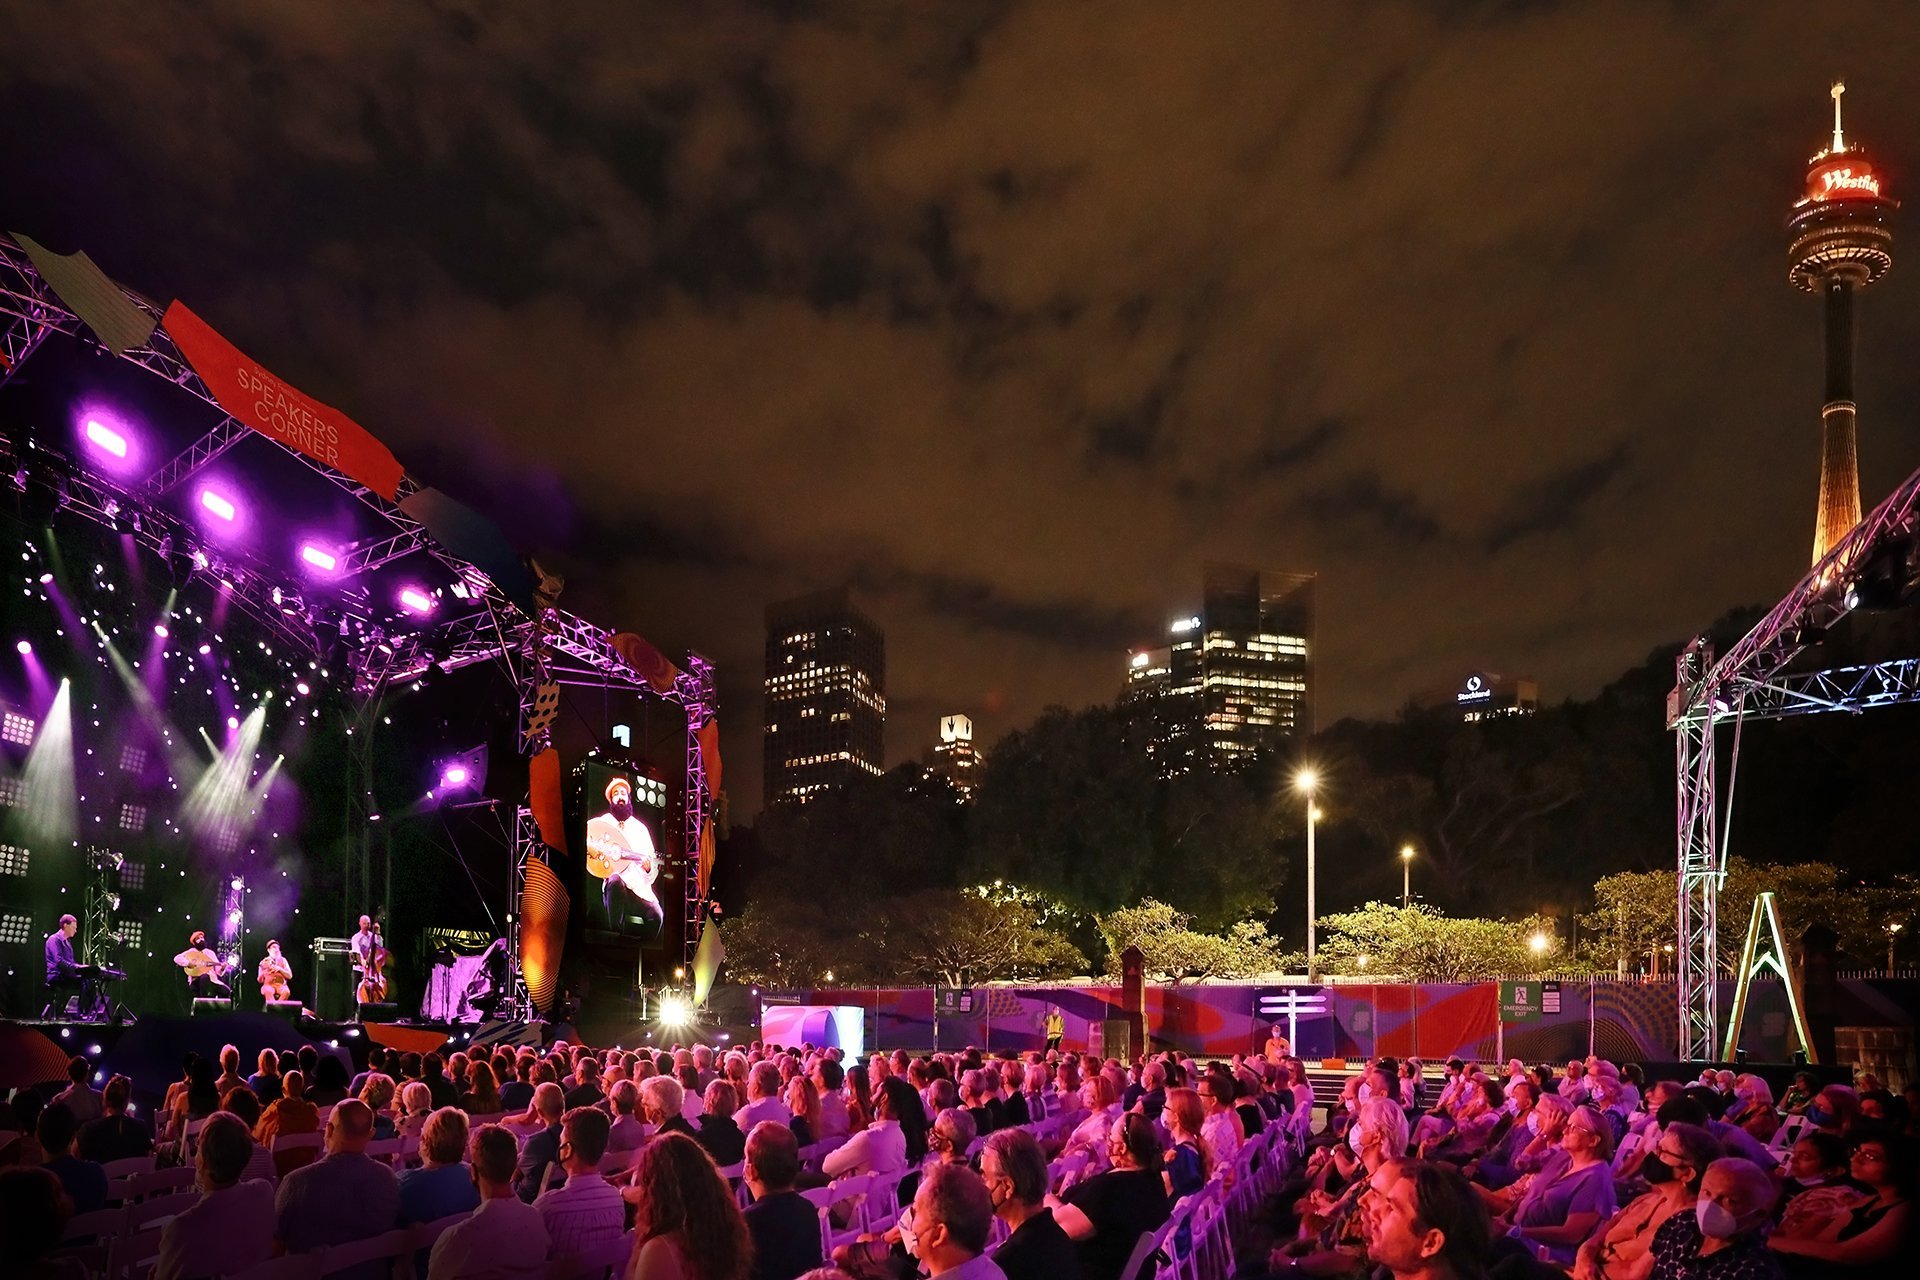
{"type": "Point", "coordinates": [203, 968]}
{"type": "Point", "coordinates": [620, 848]}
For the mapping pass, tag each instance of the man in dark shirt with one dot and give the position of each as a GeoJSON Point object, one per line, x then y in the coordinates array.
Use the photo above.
{"type": "Point", "coordinates": [785, 1227]}
{"type": "Point", "coordinates": [63, 970]}
{"type": "Point", "coordinates": [434, 1075]}
{"type": "Point", "coordinates": [1015, 1172]}
{"type": "Point", "coordinates": [115, 1135]}
{"type": "Point", "coordinates": [84, 1180]}
{"type": "Point", "coordinates": [1107, 1213]}
{"type": "Point", "coordinates": [543, 1148]}
{"type": "Point", "coordinates": [587, 1093]}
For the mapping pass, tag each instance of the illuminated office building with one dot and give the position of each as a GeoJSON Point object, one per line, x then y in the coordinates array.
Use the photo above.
{"type": "Point", "coordinates": [954, 756]}
{"type": "Point", "coordinates": [1483, 695]}
{"type": "Point", "coordinates": [1235, 678]}
{"type": "Point", "coordinates": [826, 696]}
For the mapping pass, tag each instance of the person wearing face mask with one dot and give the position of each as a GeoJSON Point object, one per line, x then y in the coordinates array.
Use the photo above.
{"type": "Point", "coordinates": [1870, 1237]}
{"type": "Point", "coordinates": [952, 1218]}
{"type": "Point", "coordinates": [1819, 1186]}
{"type": "Point", "coordinates": [1106, 1213]}
{"type": "Point", "coordinates": [1622, 1248]}
{"type": "Point", "coordinates": [1833, 1109]}
{"type": "Point", "coordinates": [1724, 1238]}
{"type": "Point", "coordinates": [1541, 1157]}
{"type": "Point", "coordinates": [1014, 1170]}
{"type": "Point", "coordinates": [1495, 1167]}
{"type": "Point", "coordinates": [1559, 1211]}
{"type": "Point", "coordinates": [1752, 1107]}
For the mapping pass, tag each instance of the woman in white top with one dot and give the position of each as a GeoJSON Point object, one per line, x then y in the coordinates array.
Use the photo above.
{"type": "Point", "coordinates": [1102, 1105]}
{"type": "Point", "coordinates": [896, 1139]}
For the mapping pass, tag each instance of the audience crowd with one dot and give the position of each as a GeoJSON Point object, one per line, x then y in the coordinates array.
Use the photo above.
{"type": "Point", "coordinates": [755, 1163]}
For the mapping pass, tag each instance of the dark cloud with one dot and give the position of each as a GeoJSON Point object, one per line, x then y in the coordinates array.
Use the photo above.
{"type": "Point", "coordinates": [1018, 313]}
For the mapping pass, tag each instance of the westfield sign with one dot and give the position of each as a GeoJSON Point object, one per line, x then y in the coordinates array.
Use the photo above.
{"type": "Point", "coordinates": [1842, 182]}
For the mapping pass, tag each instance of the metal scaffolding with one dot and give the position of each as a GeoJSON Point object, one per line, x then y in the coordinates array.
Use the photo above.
{"type": "Point", "coordinates": [1751, 683]}
{"type": "Point", "coordinates": [538, 648]}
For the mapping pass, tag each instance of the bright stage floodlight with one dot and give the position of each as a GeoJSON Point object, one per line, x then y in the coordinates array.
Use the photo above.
{"type": "Point", "coordinates": [414, 600]}
{"type": "Point", "coordinates": [454, 775]}
{"type": "Point", "coordinates": [160, 629]}
{"type": "Point", "coordinates": [319, 557]}
{"type": "Point", "coordinates": [105, 438]}
{"type": "Point", "coordinates": [219, 504]}
{"type": "Point", "coordinates": [23, 647]}
{"type": "Point", "coordinates": [675, 1011]}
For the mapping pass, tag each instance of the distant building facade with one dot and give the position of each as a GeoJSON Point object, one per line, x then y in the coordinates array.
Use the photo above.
{"type": "Point", "coordinates": [1233, 679]}
{"type": "Point", "coordinates": [955, 758]}
{"type": "Point", "coordinates": [826, 696]}
{"type": "Point", "coordinates": [1483, 695]}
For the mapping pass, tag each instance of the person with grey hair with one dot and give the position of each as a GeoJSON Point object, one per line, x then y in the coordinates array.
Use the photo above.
{"type": "Point", "coordinates": [442, 1185]}
{"type": "Point", "coordinates": [663, 1103]}
{"type": "Point", "coordinates": [1724, 1238]}
{"type": "Point", "coordinates": [1619, 1250]}
{"type": "Point", "coordinates": [344, 1197]}
{"type": "Point", "coordinates": [763, 1098]}
{"type": "Point", "coordinates": [952, 1133]}
{"type": "Point", "coordinates": [230, 1227]}
{"type": "Point", "coordinates": [1014, 1169]}
{"type": "Point", "coordinates": [952, 1220]}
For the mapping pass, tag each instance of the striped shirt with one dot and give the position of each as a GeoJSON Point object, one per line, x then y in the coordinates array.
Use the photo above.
{"type": "Point", "coordinates": [581, 1214]}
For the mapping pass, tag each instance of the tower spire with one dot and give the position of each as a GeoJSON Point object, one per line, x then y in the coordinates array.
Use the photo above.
{"type": "Point", "coordinates": [1839, 137]}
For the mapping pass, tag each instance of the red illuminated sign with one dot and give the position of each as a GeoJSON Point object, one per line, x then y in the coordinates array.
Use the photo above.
{"type": "Point", "coordinates": [1845, 179]}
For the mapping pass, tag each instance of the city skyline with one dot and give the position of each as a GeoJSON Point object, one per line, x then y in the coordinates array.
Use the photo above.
{"type": "Point", "coordinates": [1476, 312]}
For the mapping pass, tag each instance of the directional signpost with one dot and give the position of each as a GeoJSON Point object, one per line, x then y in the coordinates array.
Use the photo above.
{"type": "Point", "coordinates": [1290, 1003]}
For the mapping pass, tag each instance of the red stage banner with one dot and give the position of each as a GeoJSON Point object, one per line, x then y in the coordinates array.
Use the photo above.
{"type": "Point", "coordinates": [647, 660]}
{"type": "Point", "coordinates": [708, 736]}
{"type": "Point", "coordinates": [543, 797]}
{"type": "Point", "coordinates": [255, 396]}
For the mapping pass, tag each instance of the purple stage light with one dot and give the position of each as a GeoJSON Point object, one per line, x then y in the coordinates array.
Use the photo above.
{"type": "Point", "coordinates": [454, 775]}
{"type": "Point", "coordinates": [46, 579]}
{"type": "Point", "coordinates": [414, 600]}
{"type": "Point", "coordinates": [23, 648]}
{"type": "Point", "coordinates": [233, 722]}
{"type": "Point", "coordinates": [219, 504]}
{"type": "Point", "coordinates": [160, 629]}
{"type": "Point", "coordinates": [205, 649]}
{"type": "Point", "coordinates": [319, 557]}
{"type": "Point", "coordinates": [106, 439]}
{"type": "Point", "coordinates": [303, 688]}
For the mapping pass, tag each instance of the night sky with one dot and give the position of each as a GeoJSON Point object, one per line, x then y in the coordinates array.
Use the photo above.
{"type": "Point", "coordinates": [1015, 314]}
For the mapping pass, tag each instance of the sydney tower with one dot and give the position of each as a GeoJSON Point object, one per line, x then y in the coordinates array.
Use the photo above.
{"type": "Point", "coordinates": [1840, 242]}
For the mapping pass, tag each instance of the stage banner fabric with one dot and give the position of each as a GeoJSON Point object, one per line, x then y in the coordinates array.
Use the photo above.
{"type": "Point", "coordinates": [544, 798]}
{"type": "Point", "coordinates": [247, 390]}
{"type": "Point", "coordinates": [544, 906]}
{"type": "Point", "coordinates": [708, 736]}
{"type": "Point", "coordinates": [647, 660]}
{"type": "Point", "coordinates": [75, 280]}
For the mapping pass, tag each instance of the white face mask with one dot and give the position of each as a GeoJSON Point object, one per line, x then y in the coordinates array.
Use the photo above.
{"type": "Point", "coordinates": [1355, 1140]}
{"type": "Point", "coordinates": [1716, 1220]}
{"type": "Point", "coordinates": [1533, 1122]}
{"type": "Point", "coordinates": [908, 1240]}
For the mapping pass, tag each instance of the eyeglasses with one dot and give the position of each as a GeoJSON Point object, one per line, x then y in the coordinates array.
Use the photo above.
{"type": "Point", "coordinates": [1870, 1157]}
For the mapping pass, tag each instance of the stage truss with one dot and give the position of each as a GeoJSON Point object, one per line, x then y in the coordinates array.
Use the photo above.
{"type": "Point", "coordinates": [1750, 682]}
{"type": "Point", "coordinates": [547, 646]}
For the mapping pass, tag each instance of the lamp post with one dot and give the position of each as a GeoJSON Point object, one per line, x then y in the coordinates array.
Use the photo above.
{"type": "Point", "coordinates": [1893, 932]}
{"type": "Point", "coordinates": [1305, 781]}
{"type": "Point", "coordinates": [1406, 876]}
{"type": "Point", "coordinates": [1540, 943]}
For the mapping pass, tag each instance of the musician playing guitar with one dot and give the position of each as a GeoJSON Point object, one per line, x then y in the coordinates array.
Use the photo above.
{"type": "Point", "coordinates": [620, 848]}
{"type": "Point", "coordinates": [203, 968]}
{"type": "Point", "coordinates": [275, 975]}
{"type": "Point", "coordinates": [370, 962]}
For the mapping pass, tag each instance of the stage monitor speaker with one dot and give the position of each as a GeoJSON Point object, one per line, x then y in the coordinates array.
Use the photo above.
{"type": "Point", "coordinates": [288, 1009]}
{"type": "Point", "coordinates": [211, 1006]}
{"type": "Point", "coordinates": [385, 1011]}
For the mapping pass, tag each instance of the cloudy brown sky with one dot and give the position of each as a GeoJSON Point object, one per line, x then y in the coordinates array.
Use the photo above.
{"type": "Point", "coordinates": [1014, 314]}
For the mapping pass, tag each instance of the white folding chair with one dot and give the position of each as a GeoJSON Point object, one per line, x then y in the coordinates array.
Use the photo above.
{"type": "Point", "coordinates": [161, 1182]}
{"type": "Point", "coordinates": [128, 1167]}
{"type": "Point", "coordinates": [1143, 1249]}
{"type": "Point", "coordinates": [137, 1253]}
{"type": "Point", "coordinates": [294, 1266]}
{"type": "Point", "coordinates": [386, 1150]}
{"type": "Point", "coordinates": [607, 1262]}
{"type": "Point", "coordinates": [389, 1246]}
{"type": "Point", "coordinates": [294, 1143]}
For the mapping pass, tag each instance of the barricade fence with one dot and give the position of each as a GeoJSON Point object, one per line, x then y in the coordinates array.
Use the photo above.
{"type": "Point", "coordinates": [1624, 1020]}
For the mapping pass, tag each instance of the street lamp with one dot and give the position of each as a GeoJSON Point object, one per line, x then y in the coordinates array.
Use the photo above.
{"type": "Point", "coordinates": [1893, 931]}
{"type": "Point", "coordinates": [1304, 782]}
{"type": "Point", "coordinates": [1406, 876]}
{"type": "Point", "coordinates": [1540, 943]}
